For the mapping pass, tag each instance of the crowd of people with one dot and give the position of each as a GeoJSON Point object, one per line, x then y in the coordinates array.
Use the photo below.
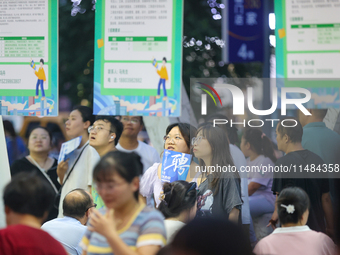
{"type": "Point", "coordinates": [109, 197]}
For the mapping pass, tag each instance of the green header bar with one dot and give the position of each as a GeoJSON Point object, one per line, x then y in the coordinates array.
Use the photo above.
{"type": "Point", "coordinates": [138, 39]}
{"type": "Point", "coordinates": [316, 25]}
{"type": "Point", "coordinates": [22, 38]}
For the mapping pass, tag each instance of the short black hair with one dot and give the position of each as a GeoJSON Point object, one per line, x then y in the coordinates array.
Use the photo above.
{"type": "Point", "coordinates": [223, 237]}
{"type": "Point", "coordinates": [187, 131]}
{"type": "Point", "coordinates": [8, 127]}
{"type": "Point", "coordinates": [164, 59]}
{"type": "Point", "coordinates": [28, 193]}
{"type": "Point", "coordinates": [292, 196]}
{"type": "Point", "coordinates": [294, 133]}
{"type": "Point", "coordinates": [44, 128]}
{"type": "Point", "coordinates": [116, 126]}
{"type": "Point", "coordinates": [42, 61]}
{"type": "Point", "coordinates": [77, 207]}
{"type": "Point", "coordinates": [179, 196]}
{"type": "Point", "coordinates": [127, 165]}
{"type": "Point", "coordinates": [86, 113]}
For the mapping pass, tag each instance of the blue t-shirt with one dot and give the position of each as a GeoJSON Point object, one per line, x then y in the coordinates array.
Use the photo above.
{"type": "Point", "coordinates": [323, 141]}
{"type": "Point", "coordinates": [16, 149]}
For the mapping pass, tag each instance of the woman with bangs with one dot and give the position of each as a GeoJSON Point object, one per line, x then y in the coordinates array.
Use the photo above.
{"type": "Point", "coordinates": [125, 226]}
{"type": "Point", "coordinates": [177, 138]}
{"type": "Point", "coordinates": [220, 192]}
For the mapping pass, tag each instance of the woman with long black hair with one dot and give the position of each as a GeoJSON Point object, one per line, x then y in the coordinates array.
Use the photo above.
{"type": "Point", "coordinates": [220, 192]}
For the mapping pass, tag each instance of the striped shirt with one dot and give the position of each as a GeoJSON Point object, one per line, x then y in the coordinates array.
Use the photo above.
{"type": "Point", "coordinates": [146, 227]}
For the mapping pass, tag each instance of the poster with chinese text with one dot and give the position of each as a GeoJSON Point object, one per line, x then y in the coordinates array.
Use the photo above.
{"type": "Point", "coordinates": [29, 58]}
{"type": "Point", "coordinates": [138, 57]}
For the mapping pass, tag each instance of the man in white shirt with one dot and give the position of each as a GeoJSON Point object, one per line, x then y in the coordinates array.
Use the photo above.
{"type": "Point", "coordinates": [129, 143]}
{"type": "Point", "coordinates": [70, 230]}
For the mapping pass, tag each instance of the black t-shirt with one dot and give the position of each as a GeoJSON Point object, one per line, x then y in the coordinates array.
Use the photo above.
{"type": "Point", "coordinates": [313, 187]}
{"type": "Point", "coordinates": [226, 198]}
{"type": "Point", "coordinates": [24, 165]}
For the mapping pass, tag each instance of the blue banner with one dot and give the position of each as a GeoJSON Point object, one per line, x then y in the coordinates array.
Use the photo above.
{"type": "Point", "coordinates": [245, 33]}
{"type": "Point", "coordinates": [175, 166]}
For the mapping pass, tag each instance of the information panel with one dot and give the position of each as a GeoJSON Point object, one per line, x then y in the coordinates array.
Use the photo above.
{"type": "Point", "coordinates": [308, 48]}
{"type": "Point", "coordinates": [138, 57]}
{"type": "Point", "coordinates": [29, 57]}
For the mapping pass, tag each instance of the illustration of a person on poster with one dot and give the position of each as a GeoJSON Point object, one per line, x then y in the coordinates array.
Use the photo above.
{"type": "Point", "coordinates": [41, 79]}
{"type": "Point", "coordinates": [163, 73]}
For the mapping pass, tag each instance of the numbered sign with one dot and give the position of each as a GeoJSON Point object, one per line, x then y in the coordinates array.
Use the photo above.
{"type": "Point", "coordinates": [245, 32]}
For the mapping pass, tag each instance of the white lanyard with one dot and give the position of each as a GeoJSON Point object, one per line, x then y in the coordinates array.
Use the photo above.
{"type": "Point", "coordinates": [44, 173]}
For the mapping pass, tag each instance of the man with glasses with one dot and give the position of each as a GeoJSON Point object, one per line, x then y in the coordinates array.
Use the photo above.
{"type": "Point", "coordinates": [129, 143]}
{"type": "Point", "coordinates": [69, 230]}
{"type": "Point", "coordinates": [104, 134]}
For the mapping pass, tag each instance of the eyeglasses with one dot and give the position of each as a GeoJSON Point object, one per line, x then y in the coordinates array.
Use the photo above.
{"type": "Point", "coordinates": [175, 140]}
{"type": "Point", "coordinates": [94, 205]}
{"type": "Point", "coordinates": [97, 129]}
{"type": "Point", "coordinates": [127, 120]}
{"type": "Point", "coordinates": [196, 140]}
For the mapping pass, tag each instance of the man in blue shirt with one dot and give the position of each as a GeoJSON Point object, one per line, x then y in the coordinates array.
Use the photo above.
{"type": "Point", "coordinates": [321, 140]}
{"type": "Point", "coordinates": [70, 229]}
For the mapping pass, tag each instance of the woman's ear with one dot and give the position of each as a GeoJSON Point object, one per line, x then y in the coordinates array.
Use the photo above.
{"type": "Point", "coordinates": [135, 183]}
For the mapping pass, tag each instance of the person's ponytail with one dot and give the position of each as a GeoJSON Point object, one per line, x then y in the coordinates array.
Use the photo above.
{"type": "Point", "coordinates": [260, 143]}
{"type": "Point", "coordinates": [267, 148]}
{"type": "Point", "coordinates": [177, 197]}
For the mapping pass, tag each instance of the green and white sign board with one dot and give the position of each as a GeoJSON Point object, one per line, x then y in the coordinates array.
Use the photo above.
{"type": "Point", "coordinates": [138, 57]}
{"type": "Point", "coordinates": [29, 57]}
{"type": "Point", "coordinates": [308, 48]}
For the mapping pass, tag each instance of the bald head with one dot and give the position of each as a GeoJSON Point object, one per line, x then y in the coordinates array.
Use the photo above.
{"type": "Point", "coordinates": [76, 203]}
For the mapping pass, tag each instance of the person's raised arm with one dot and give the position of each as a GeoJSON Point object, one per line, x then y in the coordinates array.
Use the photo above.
{"type": "Point", "coordinates": [275, 217]}
{"type": "Point", "coordinates": [61, 170]}
{"type": "Point", "coordinates": [233, 215]}
{"type": "Point", "coordinates": [328, 210]}
{"type": "Point", "coordinates": [105, 225]}
{"type": "Point", "coordinates": [253, 187]}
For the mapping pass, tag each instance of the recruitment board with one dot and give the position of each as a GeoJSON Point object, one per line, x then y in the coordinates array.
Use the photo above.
{"type": "Point", "coordinates": [138, 57]}
{"type": "Point", "coordinates": [29, 57]}
{"type": "Point", "coordinates": [308, 48]}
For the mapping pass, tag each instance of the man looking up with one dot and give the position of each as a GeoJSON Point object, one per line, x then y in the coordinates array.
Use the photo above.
{"type": "Point", "coordinates": [27, 200]}
{"type": "Point", "coordinates": [128, 142]}
{"type": "Point", "coordinates": [104, 136]}
{"type": "Point", "coordinates": [70, 230]}
{"type": "Point", "coordinates": [105, 133]}
{"type": "Point", "coordinates": [289, 141]}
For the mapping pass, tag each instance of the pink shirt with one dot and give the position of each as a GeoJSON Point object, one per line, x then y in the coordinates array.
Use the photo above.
{"type": "Point", "coordinates": [295, 241]}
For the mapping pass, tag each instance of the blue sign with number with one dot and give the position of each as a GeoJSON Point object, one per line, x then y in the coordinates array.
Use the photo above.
{"type": "Point", "coordinates": [245, 34]}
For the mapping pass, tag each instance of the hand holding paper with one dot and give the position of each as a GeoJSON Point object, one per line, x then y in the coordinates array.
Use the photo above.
{"type": "Point", "coordinates": [67, 148]}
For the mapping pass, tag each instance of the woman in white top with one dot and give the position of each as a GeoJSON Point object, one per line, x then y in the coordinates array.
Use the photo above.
{"type": "Point", "coordinates": [177, 138]}
{"type": "Point", "coordinates": [77, 124]}
{"type": "Point", "coordinates": [178, 205]}
{"type": "Point", "coordinates": [260, 157]}
{"type": "Point", "coordinates": [294, 237]}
